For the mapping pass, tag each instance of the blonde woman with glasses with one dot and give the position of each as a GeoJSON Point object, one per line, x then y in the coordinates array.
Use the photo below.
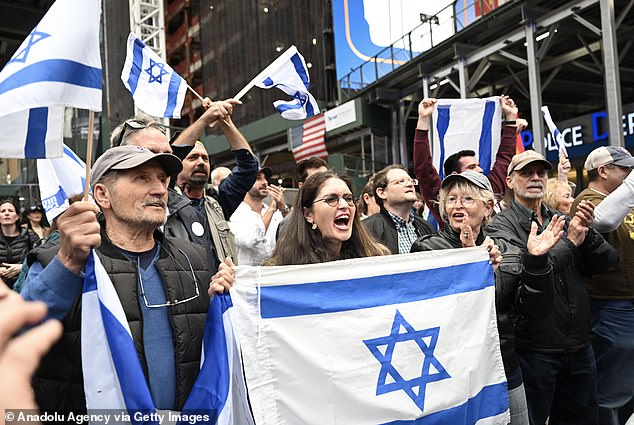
{"type": "Point", "coordinates": [523, 283]}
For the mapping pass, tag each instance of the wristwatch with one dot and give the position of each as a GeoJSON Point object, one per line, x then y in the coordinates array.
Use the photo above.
{"type": "Point", "coordinates": [509, 122]}
{"type": "Point", "coordinates": [285, 210]}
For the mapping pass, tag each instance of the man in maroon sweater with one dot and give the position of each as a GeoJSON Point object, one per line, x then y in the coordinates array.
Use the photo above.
{"type": "Point", "coordinates": [426, 173]}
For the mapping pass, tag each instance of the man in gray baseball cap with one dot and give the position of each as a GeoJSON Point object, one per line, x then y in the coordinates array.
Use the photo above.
{"type": "Point", "coordinates": [164, 284]}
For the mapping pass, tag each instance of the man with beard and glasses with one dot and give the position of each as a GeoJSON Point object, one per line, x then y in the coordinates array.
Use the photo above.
{"type": "Point", "coordinates": [555, 355]}
{"type": "Point", "coordinates": [164, 284]}
{"type": "Point", "coordinates": [254, 224]}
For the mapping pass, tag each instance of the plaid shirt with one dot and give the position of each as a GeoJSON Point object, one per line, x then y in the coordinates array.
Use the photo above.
{"type": "Point", "coordinates": [406, 232]}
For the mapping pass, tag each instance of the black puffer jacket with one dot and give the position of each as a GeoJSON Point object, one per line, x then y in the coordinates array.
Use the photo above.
{"type": "Point", "coordinates": [567, 327]}
{"type": "Point", "coordinates": [382, 227]}
{"type": "Point", "coordinates": [15, 251]}
{"type": "Point", "coordinates": [523, 286]}
{"type": "Point", "coordinates": [58, 382]}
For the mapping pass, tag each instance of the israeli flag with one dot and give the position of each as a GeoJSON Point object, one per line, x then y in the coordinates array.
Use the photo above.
{"type": "Point", "coordinates": [33, 133]}
{"type": "Point", "coordinates": [58, 64]}
{"type": "Point", "coordinates": [400, 339]}
{"type": "Point", "coordinates": [554, 131]}
{"type": "Point", "coordinates": [290, 74]}
{"type": "Point", "coordinates": [460, 124]}
{"type": "Point", "coordinates": [60, 179]}
{"type": "Point", "coordinates": [156, 88]}
{"type": "Point", "coordinates": [113, 377]}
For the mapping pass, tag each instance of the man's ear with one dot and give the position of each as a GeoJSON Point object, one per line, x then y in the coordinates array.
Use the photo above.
{"type": "Point", "coordinates": [380, 192]}
{"type": "Point", "coordinates": [509, 182]}
{"type": "Point", "coordinates": [602, 172]}
{"type": "Point", "coordinates": [101, 195]}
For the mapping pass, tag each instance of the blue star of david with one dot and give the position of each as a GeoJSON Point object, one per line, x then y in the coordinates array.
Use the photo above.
{"type": "Point", "coordinates": [33, 38]}
{"type": "Point", "coordinates": [161, 67]}
{"type": "Point", "coordinates": [303, 99]}
{"type": "Point", "coordinates": [387, 369]}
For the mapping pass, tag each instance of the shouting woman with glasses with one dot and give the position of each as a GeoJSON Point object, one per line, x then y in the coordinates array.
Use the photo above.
{"type": "Point", "coordinates": [324, 225]}
{"type": "Point", "coordinates": [522, 283]}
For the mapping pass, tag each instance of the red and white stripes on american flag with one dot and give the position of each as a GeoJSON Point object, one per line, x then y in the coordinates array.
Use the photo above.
{"type": "Point", "coordinates": [308, 140]}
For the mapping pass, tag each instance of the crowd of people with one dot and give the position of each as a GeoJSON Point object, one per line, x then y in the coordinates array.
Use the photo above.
{"type": "Point", "coordinates": [169, 230]}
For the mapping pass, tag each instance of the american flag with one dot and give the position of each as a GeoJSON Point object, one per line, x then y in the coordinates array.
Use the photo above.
{"type": "Point", "coordinates": [308, 140]}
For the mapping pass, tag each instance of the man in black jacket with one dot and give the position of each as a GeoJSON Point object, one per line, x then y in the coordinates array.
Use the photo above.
{"type": "Point", "coordinates": [554, 351]}
{"type": "Point", "coordinates": [396, 226]}
{"type": "Point", "coordinates": [163, 284]}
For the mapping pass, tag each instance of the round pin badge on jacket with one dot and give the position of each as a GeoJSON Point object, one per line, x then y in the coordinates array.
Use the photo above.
{"type": "Point", "coordinates": [198, 228]}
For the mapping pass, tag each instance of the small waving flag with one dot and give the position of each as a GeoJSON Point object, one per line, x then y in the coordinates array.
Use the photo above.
{"type": "Point", "coordinates": [156, 88]}
{"type": "Point", "coordinates": [557, 136]}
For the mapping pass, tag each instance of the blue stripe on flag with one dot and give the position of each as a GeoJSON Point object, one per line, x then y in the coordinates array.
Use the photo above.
{"type": "Point", "coordinates": [55, 70]}
{"type": "Point", "coordinates": [137, 65]}
{"type": "Point", "coordinates": [486, 138]}
{"type": "Point", "coordinates": [492, 400]}
{"type": "Point", "coordinates": [54, 201]}
{"type": "Point", "coordinates": [211, 389]}
{"type": "Point", "coordinates": [172, 94]}
{"type": "Point", "coordinates": [301, 71]}
{"type": "Point", "coordinates": [70, 154]}
{"type": "Point", "coordinates": [356, 294]}
{"type": "Point", "coordinates": [442, 124]}
{"type": "Point", "coordinates": [289, 105]}
{"type": "Point", "coordinates": [35, 144]}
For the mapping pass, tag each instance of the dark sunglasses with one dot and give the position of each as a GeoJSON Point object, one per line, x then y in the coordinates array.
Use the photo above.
{"type": "Point", "coordinates": [137, 125]}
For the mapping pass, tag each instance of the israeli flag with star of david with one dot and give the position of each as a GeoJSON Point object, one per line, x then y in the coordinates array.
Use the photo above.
{"type": "Point", "coordinates": [399, 339]}
{"type": "Point", "coordinates": [289, 73]}
{"type": "Point", "coordinates": [57, 65]}
{"type": "Point", "coordinates": [155, 87]}
{"type": "Point", "coordinates": [460, 124]}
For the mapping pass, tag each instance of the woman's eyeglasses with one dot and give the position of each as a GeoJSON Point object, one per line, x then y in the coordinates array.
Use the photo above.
{"type": "Point", "coordinates": [466, 201]}
{"type": "Point", "coordinates": [137, 125]}
{"type": "Point", "coordinates": [333, 200]}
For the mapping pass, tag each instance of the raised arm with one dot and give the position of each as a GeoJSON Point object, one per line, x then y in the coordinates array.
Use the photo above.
{"type": "Point", "coordinates": [214, 111]}
{"type": "Point", "coordinates": [505, 153]}
{"type": "Point", "coordinates": [611, 212]}
{"type": "Point", "coordinates": [427, 175]}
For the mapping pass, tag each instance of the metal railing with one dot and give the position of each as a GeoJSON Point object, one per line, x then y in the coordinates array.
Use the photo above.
{"type": "Point", "coordinates": [432, 30]}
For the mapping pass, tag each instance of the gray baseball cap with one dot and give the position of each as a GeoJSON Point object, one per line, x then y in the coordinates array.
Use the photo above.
{"type": "Point", "coordinates": [478, 179]}
{"type": "Point", "coordinates": [609, 155]}
{"type": "Point", "coordinates": [128, 157]}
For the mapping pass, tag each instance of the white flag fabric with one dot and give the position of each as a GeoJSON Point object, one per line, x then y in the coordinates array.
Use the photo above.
{"type": "Point", "coordinates": [398, 339]}
{"type": "Point", "coordinates": [554, 131]}
{"type": "Point", "coordinates": [58, 63]}
{"type": "Point", "coordinates": [59, 179]}
{"type": "Point", "coordinates": [32, 133]}
{"type": "Point", "coordinates": [290, 74]}
{"type": "Point", "coordinates": [113, 377]}
{"type": "Point", "coordinates": [474, 124]}
{"type": "Point", "coordinates": [156, 88]}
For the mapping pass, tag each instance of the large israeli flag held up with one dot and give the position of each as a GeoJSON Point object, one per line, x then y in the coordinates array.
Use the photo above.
{"type": "Point", "coordinates": [58, 63]}
{"type": "Point", "coordinates": [59, 179]}
{"type": "Point", "coordinates": [400, 339]}
{"type": "Point", "coordinates": [114, 379]}
{"type": "Point", "coordinates": [290, 74]}
{"type": "Point", "coordinates": [474, 124]}
{"type": "Point", "coordinates": [156, 88]}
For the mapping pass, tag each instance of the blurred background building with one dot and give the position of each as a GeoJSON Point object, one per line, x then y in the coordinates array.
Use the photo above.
{"type": "Point", "coordinates": [371, 62]}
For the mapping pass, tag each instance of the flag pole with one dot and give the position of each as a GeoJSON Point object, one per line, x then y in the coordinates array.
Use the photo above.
{"type": "Point", "coordinates": [91, 124]}
{"type": "Point", "coordinates": [202, 100]}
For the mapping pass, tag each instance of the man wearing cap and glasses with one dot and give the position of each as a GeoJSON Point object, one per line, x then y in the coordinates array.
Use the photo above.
{"type": "Point", "coordinates": [164, 284]}
{"type": "Point", "coordinates": [254, 224]}
{"type": "Point", "coordinates": [555, 353]}
{"type": "Point", "coordinates": [205, 222]}
{"type": "Point", "coordinates": [612, 293]}
{"type": "Point", "coordinates": [396, 226]}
